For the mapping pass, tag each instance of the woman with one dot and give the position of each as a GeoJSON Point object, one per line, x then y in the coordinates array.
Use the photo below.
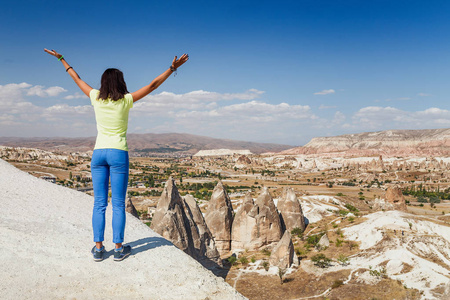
{"type": "Point", "coordinates": [110, 157]}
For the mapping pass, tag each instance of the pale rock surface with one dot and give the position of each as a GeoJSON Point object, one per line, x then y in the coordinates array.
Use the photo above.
{"type": "Point", "coordinates": [243, 225]}
{"type": "Point", "coordinates": [204, 245]}
{"type": "Point", "coordinates": [291, 213]}
{"type": "Point", "coordinates": [283, 255]}
{"type": "Point", "coordinates": [129, 208]}
{"type": "Point", "coordinates": [324, 242]}
{"type": "Point", "coordinates": [219, 218]}
{"type": "Point", "coordinates": [49, 228]}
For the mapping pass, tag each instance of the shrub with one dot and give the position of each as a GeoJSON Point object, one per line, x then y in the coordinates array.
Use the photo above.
{"type": "Point", "coordinates": [339, 242]}
{"type": "Point", "coordinates": [378, 273]}
{"type": "Point", "coordinates": [351, 219]}
{"type": "Point", "coordinates": [298, 232]}
{"type": "Point", "coordinates": [253, 259]}
{"type": "Point", "coordinates": [343, 260]}
{"type": "Point", "coordinates": [281, 272]}
{"type": "Point", "coordinates": [321, 260]}
{"type": "Point", "coordinates": [351, 207]}
{"type": "Point", "coordinates": [334, 225]}
{"type": "Point", "coordinates": [243, 260]}
{"type": "Point", "coordinates": [265, 265]}
{"type": "Point", "coordinates": [232, 260]}
{"type": "Point", "coordinates": [313, 239]}
{"type": "Point", "coordinates": [266, 251]}
{"type": "Point", "coordinates": [339, 194]}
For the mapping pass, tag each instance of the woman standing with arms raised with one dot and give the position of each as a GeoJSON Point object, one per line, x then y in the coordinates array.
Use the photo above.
{"type": "Point", "coordinates": [110, 157]}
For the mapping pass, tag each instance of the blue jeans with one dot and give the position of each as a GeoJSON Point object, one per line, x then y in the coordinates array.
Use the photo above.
{"type": "Point", "coordinates": [108, 163]}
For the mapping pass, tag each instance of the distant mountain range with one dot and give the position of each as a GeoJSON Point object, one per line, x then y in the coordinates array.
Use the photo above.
{"type": "Point", "coordinates": [165, 144]}
{"type": "Point", "coordinates": [433, 142]}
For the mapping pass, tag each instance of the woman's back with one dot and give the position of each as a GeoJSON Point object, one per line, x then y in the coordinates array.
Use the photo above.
{"type": "Point", "coordinates": [112, 121]}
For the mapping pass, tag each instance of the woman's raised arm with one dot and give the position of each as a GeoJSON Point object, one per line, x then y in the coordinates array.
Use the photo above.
{"type": "Point", "coordinates": [85, 88]}
{"type": "Point", "coordinates": [176, 63]}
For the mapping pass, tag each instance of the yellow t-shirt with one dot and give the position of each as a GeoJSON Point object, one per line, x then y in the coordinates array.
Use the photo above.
{"type": "Point", "coordinates": [112, 121]}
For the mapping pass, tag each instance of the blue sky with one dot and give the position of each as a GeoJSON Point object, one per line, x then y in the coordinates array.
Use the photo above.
{"type": "Point", "coordinates": [263, 71]}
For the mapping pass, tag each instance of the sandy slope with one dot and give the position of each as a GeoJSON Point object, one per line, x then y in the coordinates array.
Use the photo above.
{"type": "Point", "coordinates": [45, 242]}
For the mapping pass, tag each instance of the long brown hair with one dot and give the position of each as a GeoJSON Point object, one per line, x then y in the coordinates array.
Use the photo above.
{"type": "Point", "coordinates": [113, 85]}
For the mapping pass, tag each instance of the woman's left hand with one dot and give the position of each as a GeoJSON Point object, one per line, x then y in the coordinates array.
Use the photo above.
{"type": "Point", "coordinates": [178, 62]}
{"type": "Point", "coordinates": [54, 53]}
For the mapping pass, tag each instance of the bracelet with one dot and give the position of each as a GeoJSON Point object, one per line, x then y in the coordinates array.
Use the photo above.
{"type": "Point", "coordinates": [68, 68]}
{"type": "Point", "coordinates": [62, 56]}
{"type": "Point", "coordinates": [173, 69]}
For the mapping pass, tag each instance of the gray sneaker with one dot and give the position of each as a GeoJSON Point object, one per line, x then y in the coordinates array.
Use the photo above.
{"type": "Point", "coordinates": [98, 254]}
{"type": "Point", "coordinates": [121, 254]}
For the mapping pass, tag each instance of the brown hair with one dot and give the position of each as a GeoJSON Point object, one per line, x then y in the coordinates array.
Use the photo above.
{"type": "Point", "coordinates": [113, 85]}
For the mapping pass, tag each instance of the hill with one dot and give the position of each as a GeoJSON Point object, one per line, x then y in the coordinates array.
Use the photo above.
{"type": "Point", "coordinates": [175, 144]}
{"type": "Point", "coordinates": [45, 241]}
{"type": "Point", "coordinates": [390, 142]}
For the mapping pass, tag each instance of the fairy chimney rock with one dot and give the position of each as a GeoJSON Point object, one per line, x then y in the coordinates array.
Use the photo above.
{"type": "Point", "coordinates": [219, 218]}
{"type": "Point", "coordinates": [291, 212]}
{"type": "Point", "coordinates": [169, 218]}
{"type": "Point", "coordinates": [268, 223]}
{"type": "Point", "coordinates": [283, 255]}
{"type": "Point", "coordinates": [394, 196]}
{"type": "Point", "coordinates": [204, 245]}
{"type": "Point", "coordinates": [243, 225]}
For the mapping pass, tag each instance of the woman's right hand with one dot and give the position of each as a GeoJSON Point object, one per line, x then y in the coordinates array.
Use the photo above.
{"type": "Point", "coordinates": [178, 62]}
{"type": "Point", "coordinates": [54, 53]}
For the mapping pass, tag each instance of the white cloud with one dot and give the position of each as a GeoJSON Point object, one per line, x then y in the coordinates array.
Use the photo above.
{"type": "Point", "coordinates": [424, 95]}
{"type": "Point", "coordinates": [40, 91]}
{"type": "Point", "coordinates": [375, 117]}
{"type": "Point", "coordinates": [195, 100]}
{"type": "Point", "coordinates": [325, 92]}
{"type": "Point", "coordinates": [75, 96]}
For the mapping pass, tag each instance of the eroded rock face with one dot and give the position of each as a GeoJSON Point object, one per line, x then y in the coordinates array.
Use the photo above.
{"type": "Point", "coordinates": [394, 196]}
{"type": "Point", "coordinates": [291, 213]}
{"type": "Point", "coordinates": [181, 222]}
{"type": "Point", "coordinates": [219, 218]}
{"type": "Point", "coordinates": [259, 226]}
{"type": "Point", "coordinates": [243, 225]}
{"type": "Point", "coordinates": [283, 255]}
{"type": "Point", "coordinates": [129, 207]}
{"type": "Point", "coordinates": [204, 245]}
{"type": "Point", "coordinates": [268, 223]}
{"type": "Point", "coordinates": [170, 219]}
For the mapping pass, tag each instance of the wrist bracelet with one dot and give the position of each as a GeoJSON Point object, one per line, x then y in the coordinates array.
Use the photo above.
{"type": "Point", "coordinates": [68, 68]}
{"type": "Point", "coordinates": [173, 69]}
{"type": "Point", "coordinates": [62, 56]}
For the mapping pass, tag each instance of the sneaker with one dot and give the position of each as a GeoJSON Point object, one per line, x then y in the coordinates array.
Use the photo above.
{"type": "Point", "coordinates": [98, 254]}
{"type": "Point", "coordinates": [121, 253]}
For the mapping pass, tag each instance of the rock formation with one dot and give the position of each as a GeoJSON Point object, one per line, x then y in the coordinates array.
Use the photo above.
{"type": "Point", "coordinates": [181, 222]}
{"type": "Point", "coordinates": [170, 219]}
{"type": "Point", "coordinates": [324, 242]}
{"type": "Point", "coordinates": [204, 245]}
{"type": "Point", "coordinates": [243, 225]}
{"type": "Point", "coordinates": [394, 196]}
{"type": "Point", "coordinates": [219, 217]}
{"type": "Point", "coordinates": [267, 230]}
{"type": "Point", "coordinates": [129, 207]}
{"type": "Point", "coordinates": [283, 255]}
{"type": "Point", "coordinates": [291, 213]}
